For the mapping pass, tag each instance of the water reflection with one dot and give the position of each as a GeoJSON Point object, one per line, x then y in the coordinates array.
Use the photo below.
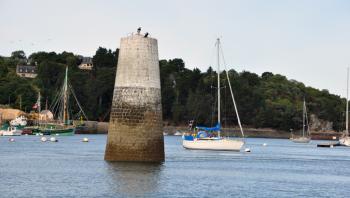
{"type": "Point", "coordinates": [131, 178]}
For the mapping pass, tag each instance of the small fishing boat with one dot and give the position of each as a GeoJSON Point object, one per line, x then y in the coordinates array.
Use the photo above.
{"type": "Point", "coordinates": [305, 137]}
{"type": "Point", "coordinates": [345, 139]}
{"type": "Point", "coordinates": [11, 131]}
{"type": "Point", "coordinates": [203, 138]}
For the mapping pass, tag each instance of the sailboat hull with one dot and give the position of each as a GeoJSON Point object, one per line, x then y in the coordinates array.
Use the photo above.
{"type": "Point", "coordinates": [216, 144]}
{"type": "Point", "coordinates": [345, 141]}
{"type": "Point", "coordinates": [61, 132]}
{"type": "Point", "coordinates": [301, 140]}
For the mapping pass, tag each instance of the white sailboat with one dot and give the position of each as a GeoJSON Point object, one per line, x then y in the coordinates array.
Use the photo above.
{"type": "Point", "coordinates": [305, 138]}
{"type": "Point", "coordinates": [345, 140]}
{"type": "Point", "coordinates": [203, 142]}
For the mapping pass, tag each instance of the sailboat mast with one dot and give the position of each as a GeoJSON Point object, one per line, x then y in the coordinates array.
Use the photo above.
{"type": "Point", "coordinates": [347, 104]}
{"type": "Point", "coordinates": [39, 102]}
{"type": "Point", "coordinates": [65, 113]}
{"type": "Point", "coordinates": [20, 102]}
{"type": "Point", "coordinates": [304, 108]}
{"type": "Point", "coordinates": [218, 59]}
{"type": "Point", "coordinates": [39, 107]}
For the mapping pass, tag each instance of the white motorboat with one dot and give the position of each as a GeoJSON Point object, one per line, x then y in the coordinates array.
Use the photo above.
{"type": "Point", "coordinates": [11, 131]}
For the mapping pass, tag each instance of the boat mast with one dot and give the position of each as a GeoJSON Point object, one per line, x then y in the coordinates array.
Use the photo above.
{"type": "Point", "coordinates": [218, 48]}
{"type": "Point", "coordinates": [65, 88]}
{"type": "Point", "coordinates": [20, 102]}
{"type": "Point", "coordinates": [39, 106]}
{"type": "Point", "coordinates": [304, 108]}
{"type": "Point", "coordinates": [307, 122]}
{"type": "Point", "coordinates": [347, 104]}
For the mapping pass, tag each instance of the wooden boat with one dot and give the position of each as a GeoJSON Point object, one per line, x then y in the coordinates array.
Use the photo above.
{"type": "Point", "coordinates": [62, 126]}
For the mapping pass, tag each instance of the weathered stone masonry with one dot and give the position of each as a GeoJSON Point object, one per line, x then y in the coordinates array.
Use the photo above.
{"type": "Point", "coordinates": [135, 129]}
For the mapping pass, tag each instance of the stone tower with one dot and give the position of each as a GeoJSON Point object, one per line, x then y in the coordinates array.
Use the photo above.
{"type": "Point", "coordinates": [135, 130]}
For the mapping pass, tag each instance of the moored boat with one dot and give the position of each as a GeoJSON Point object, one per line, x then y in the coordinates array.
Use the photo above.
{"type": "Point", "coordinates": [305, 135]}
{"type": "Point", "coordinates": [209, 138]}
{"type": "Point", "coordinates": [61, 130]}
{"type": "Point", "coordinates": [11, 131]}
{"type": "Point", "coordinates": [301, 140]}
{"type": "Point", "coordinates": [212, 143]}
{"type": "Point", "coordinates": [345, 139]}
{"type": "Point", "coordinates": [61, 109]}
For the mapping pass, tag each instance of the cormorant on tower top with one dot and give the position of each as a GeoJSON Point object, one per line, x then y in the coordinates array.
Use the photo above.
{"type": "Point", "coordinates": [139, 30]}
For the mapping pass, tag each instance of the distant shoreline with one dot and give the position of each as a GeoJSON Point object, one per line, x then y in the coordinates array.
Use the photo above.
{"type": "Point", "coordinates": [94, 127]}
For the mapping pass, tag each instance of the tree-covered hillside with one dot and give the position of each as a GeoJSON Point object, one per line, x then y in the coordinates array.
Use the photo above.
{"type": "Point", "coordinates": [269, 100]}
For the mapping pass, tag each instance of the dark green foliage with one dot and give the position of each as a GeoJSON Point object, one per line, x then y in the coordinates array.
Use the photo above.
{"type": "Point", "coordinates": [263, 101]}
{"type": "Point", "coordinates": [18, 55]}
{"type": "Point", "coordinates": [105, 58]}
{"type": "Point", "coordinates": [94, 89]}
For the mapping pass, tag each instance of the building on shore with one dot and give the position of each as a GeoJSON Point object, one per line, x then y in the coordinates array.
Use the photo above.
{"type": "Point", "coordinates": [27, 71]}
{"type": "Point", "coordinates": [86, 63]}
{"type": "Point", "coordinates": [46, 115]}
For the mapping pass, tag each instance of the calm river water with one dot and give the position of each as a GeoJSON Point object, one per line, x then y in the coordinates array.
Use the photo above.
{"type": "Point", "coordinates": [70, 168]}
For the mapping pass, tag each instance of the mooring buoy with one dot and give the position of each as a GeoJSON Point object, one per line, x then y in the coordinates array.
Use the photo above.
{"type": "Point", "coordinates": [53, 139]}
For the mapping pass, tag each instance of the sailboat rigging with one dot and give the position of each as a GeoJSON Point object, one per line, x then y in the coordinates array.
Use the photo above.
{"type": "Point", "coordinates": [345, 140]}
{"type": "Point", "coordinates": [60, 108]}
{"type": "Point", "coordinates": [305, 138]}
{"type": "Point", "coordinates": [201, 140]}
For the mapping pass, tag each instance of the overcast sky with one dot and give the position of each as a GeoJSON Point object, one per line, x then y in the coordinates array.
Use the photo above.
{"type": "Point", "coordinates": [308, 40]}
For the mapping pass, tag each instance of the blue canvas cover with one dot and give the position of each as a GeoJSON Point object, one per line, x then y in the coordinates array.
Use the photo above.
{"type": "Point", "coordinates": [188, 137]}
{"type": "Point", "coordinates": [216, 128]}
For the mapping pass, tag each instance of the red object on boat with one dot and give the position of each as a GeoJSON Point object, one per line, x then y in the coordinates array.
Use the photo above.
{"type": "Point", "coordinates": [27, 131]}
